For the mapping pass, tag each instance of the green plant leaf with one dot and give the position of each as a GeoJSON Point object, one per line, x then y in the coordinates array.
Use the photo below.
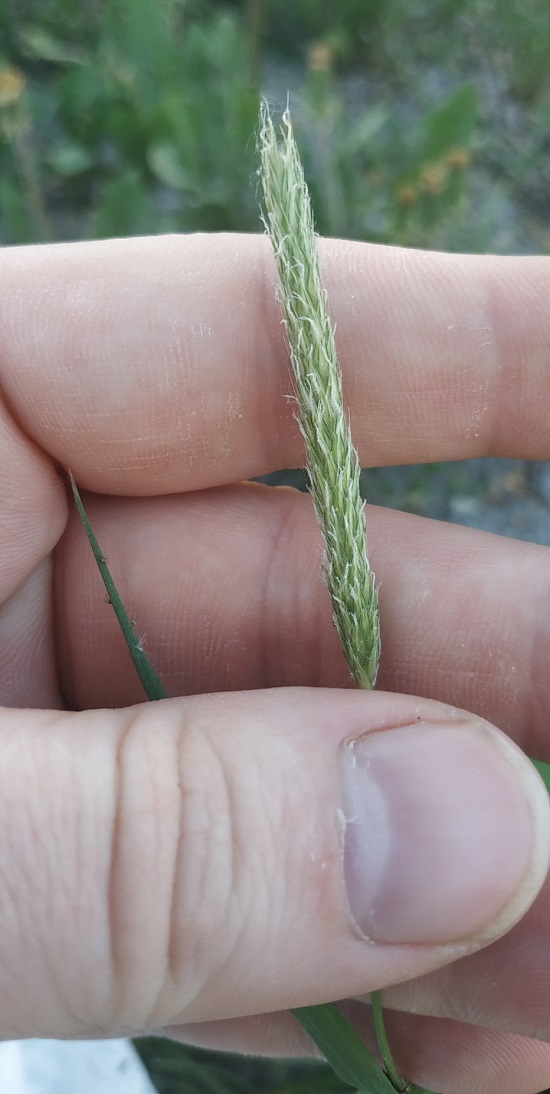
{"type": "Point", "coordinates": [164, 160]}
{"type": "Point", "coordinates": [46, 46]}
{"type": "Point", "coordinates": [175, 1068]}
{"type": "Point", "coordinates": [152, 685]}
{"type": "Point", "coordinates": [343, 1048]}
{"type": "Point", "coordinates": [383, 1044]}
{"type": "Point", "coordinates": [125, 207]}
{"type": "Point", "coordinates": [452, 125]}
{"type": "Point", "coordinates": [544, 772]}
{"type": "Point", "coordinates": [70, 158]}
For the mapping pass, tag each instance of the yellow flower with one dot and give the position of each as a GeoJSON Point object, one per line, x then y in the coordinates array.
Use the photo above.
{"type": "Point", "coordinates": [12, 86]}
{"type": "Point", "coordinates": [459, 158]}
{"type": "Point", "coordinates": [320, 57]}
{"type": "Point", "coordinates": [434, 178]}
{"type": "Point", "coordinates": [406, 195]}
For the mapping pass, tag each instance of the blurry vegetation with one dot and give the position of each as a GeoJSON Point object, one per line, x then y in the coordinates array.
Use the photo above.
{"type": "Point", "coordinates": [423, 124]}
{"type": "Point", "coordinates": [177, 1069]}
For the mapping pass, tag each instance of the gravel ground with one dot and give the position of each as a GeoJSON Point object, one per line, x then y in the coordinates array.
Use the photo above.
{"type": "Point", "coordinates": [508, 497]}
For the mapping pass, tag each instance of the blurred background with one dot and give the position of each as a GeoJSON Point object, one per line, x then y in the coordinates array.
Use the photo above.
{"type": "Point", "coordinates": [425, 123]}
{"type": "Point", "coordinates": [422, 123]}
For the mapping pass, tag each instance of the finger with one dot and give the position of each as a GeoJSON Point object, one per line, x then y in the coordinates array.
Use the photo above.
{"type": "Point", "coordinates": [457, 1059]}
{"type": "Point", "coordinates": [228, 591]}
{"type": "Point", "coordinates": [157, 365]}
{"type": "Point", "coordinates": [33, 506]}
{"type": "Point", "coordinates": [505, 987]}
{"type": "Point", "coordinates": [189, 860]}
{"type": "Point", "coordinates": [28, 670]}
{"type": "Point", "coordinates": [438, 1055]}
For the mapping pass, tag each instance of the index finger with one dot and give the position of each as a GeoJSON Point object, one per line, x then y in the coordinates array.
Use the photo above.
{"type": "Point", "coordinates": [160, 364]}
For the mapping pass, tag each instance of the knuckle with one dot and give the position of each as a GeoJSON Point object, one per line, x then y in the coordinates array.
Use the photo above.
{"type": "Point", "coordinates": [181, 889]}
{"type": "Point", "coordinates": [202, 907]}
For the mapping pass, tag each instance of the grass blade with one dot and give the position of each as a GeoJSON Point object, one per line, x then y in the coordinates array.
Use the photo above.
{"type": "Point", "coordinates": [544, 772]}
{"type": "Point", "coordinates": [345, 1051]}
{"type": "Point", "coordinates": [152, 685]}
{"type": "Point", "coordinates": [397, 1082]}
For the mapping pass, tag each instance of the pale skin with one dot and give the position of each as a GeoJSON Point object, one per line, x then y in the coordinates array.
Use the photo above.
{"type": "Point", "coordinates": [178, 866]}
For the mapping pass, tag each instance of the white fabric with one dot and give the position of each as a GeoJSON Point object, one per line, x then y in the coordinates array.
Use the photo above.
{"type": "Point", "coordinates": [68, 1067]}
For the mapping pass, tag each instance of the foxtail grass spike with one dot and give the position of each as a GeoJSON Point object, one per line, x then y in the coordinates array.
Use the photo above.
{"type": "Point", "coordinates": [332, 464]}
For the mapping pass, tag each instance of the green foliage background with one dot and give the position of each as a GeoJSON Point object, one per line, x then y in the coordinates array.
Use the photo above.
{"type": "Point", "coordinates": [425, 124]}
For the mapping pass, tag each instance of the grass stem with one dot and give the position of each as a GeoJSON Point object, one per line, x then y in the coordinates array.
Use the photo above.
{"type": "Point", "coordinates": [152, 685]}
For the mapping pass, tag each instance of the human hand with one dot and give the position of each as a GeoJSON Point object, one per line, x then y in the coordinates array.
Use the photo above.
{"type": "Point", "coordinates": [178, 866]}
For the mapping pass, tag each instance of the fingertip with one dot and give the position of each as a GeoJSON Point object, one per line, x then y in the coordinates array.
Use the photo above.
{"type": "Point", "coordinates": [447, 834]}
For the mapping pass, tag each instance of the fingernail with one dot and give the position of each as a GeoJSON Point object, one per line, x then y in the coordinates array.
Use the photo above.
{"type": "Point", "coordinates": [447, 833]}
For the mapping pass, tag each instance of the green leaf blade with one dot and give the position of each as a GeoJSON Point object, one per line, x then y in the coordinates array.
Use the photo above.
{"type": "Point", "coordinates": [343, 1048]}
{"type": "Point", "coordinates": [152, 684]}
{"type": "Point", "coordinates": [544, 772]}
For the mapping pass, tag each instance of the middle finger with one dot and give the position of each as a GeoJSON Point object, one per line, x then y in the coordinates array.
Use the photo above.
{"type": "Point", "coordinates": [228, 591]}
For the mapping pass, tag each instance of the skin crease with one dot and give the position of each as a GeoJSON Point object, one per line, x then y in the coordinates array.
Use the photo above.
{"type": "Point", "coordinates": [157, 370]}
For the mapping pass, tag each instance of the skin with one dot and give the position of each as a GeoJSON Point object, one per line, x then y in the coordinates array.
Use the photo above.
{"type": "Point", "coordinates": [160, 863]}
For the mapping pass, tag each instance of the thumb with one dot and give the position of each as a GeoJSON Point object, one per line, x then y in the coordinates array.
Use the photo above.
{"type": "Point", "coordinates": [222, 855]}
